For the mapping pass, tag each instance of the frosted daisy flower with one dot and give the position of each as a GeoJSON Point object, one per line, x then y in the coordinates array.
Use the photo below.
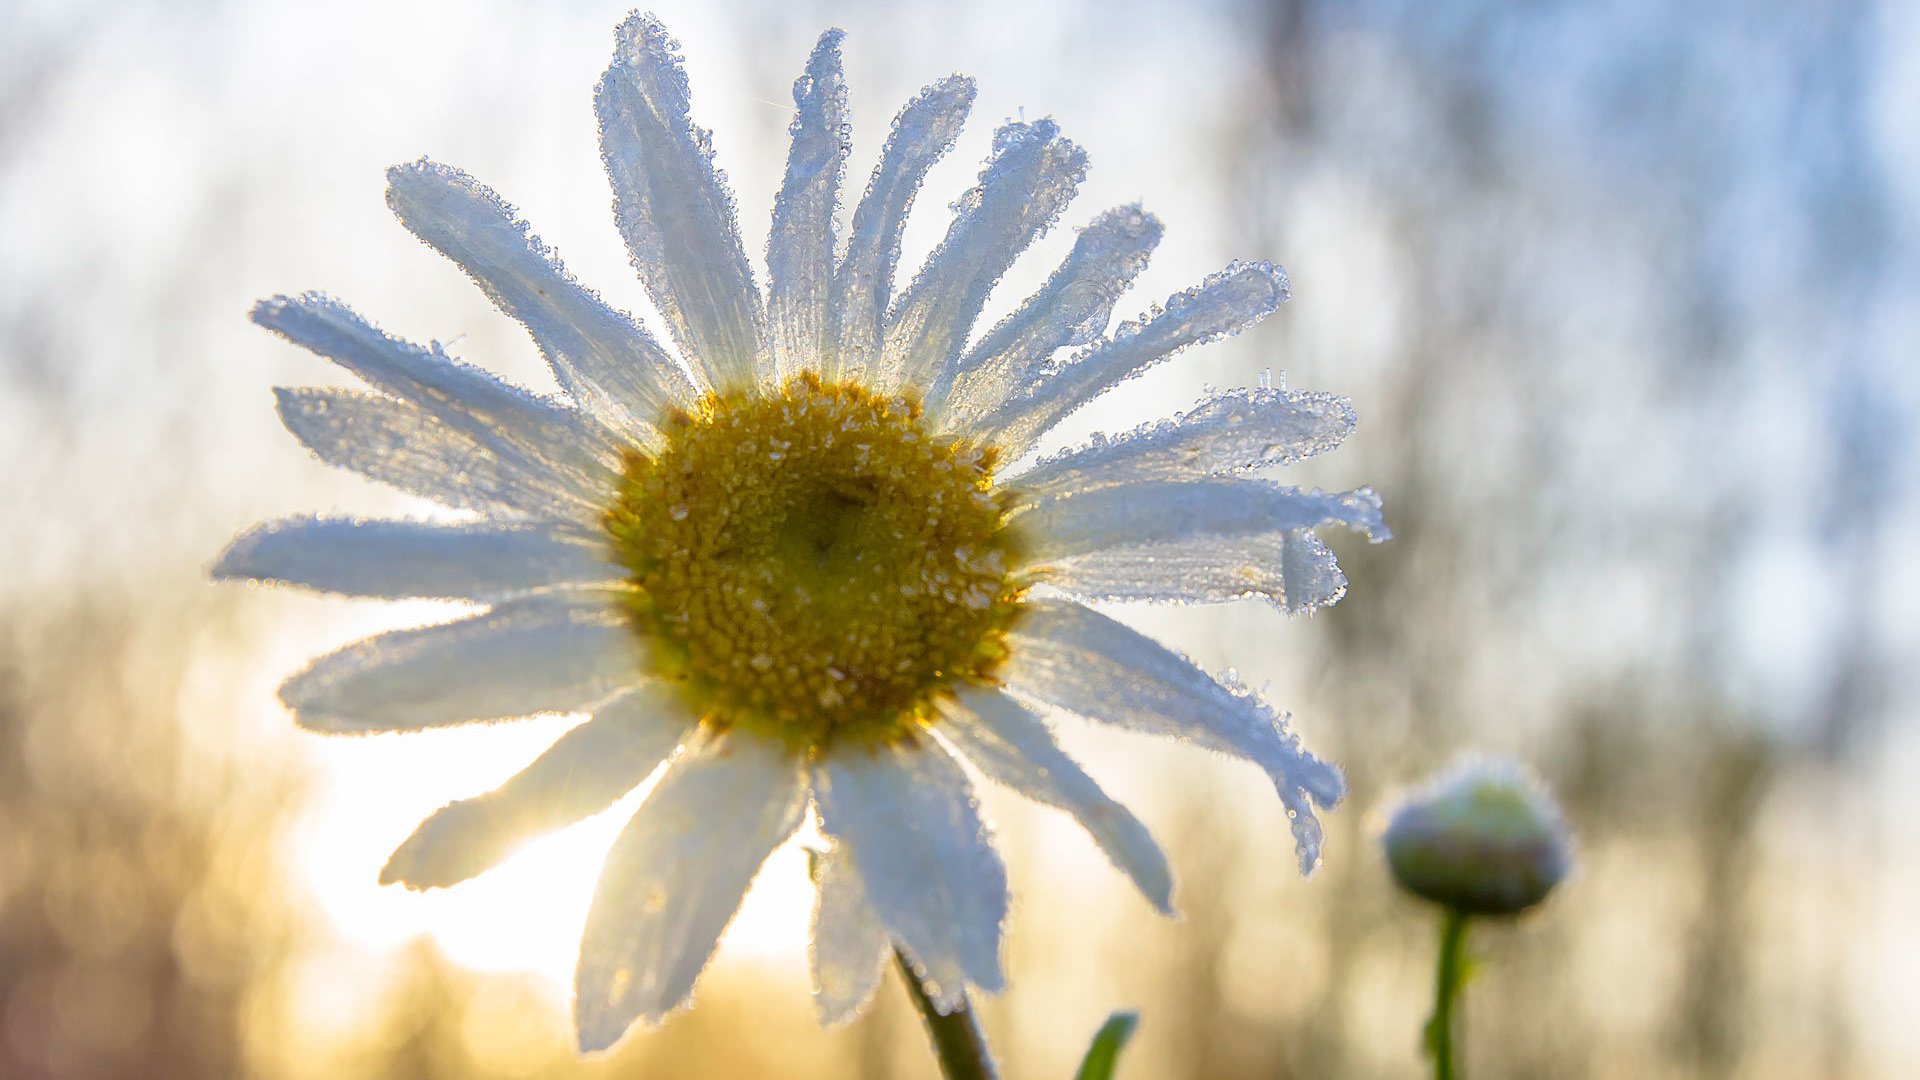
{"type": "Point", "coordinates": [785, 560]}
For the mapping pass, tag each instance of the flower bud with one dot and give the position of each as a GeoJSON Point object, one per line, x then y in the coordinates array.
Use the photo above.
{"type": "Point", "coordinates": [1484, 838]}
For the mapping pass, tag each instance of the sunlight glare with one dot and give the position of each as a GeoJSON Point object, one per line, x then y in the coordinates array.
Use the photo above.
{"type": "Point", "coordinates": [524, 915]}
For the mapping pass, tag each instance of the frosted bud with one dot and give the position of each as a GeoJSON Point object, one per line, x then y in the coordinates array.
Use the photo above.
{"type": "Point", "coordinates": [1485, 838]}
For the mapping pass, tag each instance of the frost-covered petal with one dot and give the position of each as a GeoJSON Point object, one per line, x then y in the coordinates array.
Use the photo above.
{"type": "Point", "coordinates": [388, 440]}
{"type": "Point", "coordinates": [908, 814]}
{"type": "Point", "coordinates": [676, 876]}
{"type": "Point", "coordinates": [673, 207]}
{"type": "Point", "coordinates": [863, 285]}
{"type": "Point", "coordinates": [539, 654]}
{"type": "Point", "coordinates": [575, 449]}
{"type": "Point", "coordinates": [1072, 308]}
{"type": "Point", "coordinates": [1223, 304]}
{"type": "Point", "coordinates": [1075, 659]}
{"type": "Point", "coordinates": [848, 947]}
{"type": "Point", "coordinates": [800, 244]}
{"type": "Point", "coordinates": [1171, 511]}
{"type": "Point", "coordinates": [395, 559]}
{"type": "Point", "coordinates": [1292, 570]}
{"type": "Point", "coordinates": [601, 356]}
{"type": "Point", "coordinates": [1028, 181]}
{"type": "Point", "coordinates": [1230, 431]}
{"type": "Point", "coordinates": [583, 773]}
{"type": "Point", "coordinates": [1013, 747]}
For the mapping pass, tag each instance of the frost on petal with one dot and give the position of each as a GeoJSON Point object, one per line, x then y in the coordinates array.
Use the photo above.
{"type": "Point", "coordinates": [1072, 308]}
{"type": "Point", "coordinates": [1077, 660]}
{"type": "Point", "coordinates": [676, 876]}
{"type": "Point", "coordinates": [583, 773]}
{"type": "Point", "coordinates": [673, 207]}
{"type": "Point", "coordinates": [909, 817]}
{"type": "Point", "coordinates": [1292, 570]}
{"type": "Point", "coordinates": [1223, 304]}
{"type": "Point", "coordinates": [1230, 431]}
{"type": "Point", "coordinates": [1172, 511]}
{"type": "Point", "coordinates": [800, 244]}
{"type": "Point", "coordinates": [849, 945]}
{"type": "Point", "coordinates": [534, 655]}
{"type": "Point", "coordinates": [576, 450]}
{"type": "Point", "coordinates": [390, 441]}
{"type": "Point", "coordinates": [396, 559]}
{"type": "Point", "coordinates": [601, 356]}
{"type": "Point", "coordinates": [1028, 181]}
{"type": "Point", "coordinates": [1013, 747]}
{"type": "Point", "coordinates": [863, 284]}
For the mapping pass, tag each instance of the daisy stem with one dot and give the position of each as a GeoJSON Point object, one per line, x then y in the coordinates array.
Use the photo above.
{"type": "Point", "coordinates": [1449, 974]}
{"type": "Point", "coordinates": [957, 1040]}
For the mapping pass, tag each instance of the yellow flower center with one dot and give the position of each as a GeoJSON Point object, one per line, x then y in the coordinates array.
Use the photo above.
{"type": "Point", "coordinates": [812, 565]}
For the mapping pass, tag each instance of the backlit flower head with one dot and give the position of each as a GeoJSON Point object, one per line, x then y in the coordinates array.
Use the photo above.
{"type": "Point", "coordinates": [796, 558]}
{"type": "Point", "coordinates": [1484, 838]}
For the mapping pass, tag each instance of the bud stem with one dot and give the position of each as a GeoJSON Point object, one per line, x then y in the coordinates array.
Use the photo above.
{"type": "Point", "coordinates": [958, 1043]}
{"type": "Point", "coordinates": [1449, 975]}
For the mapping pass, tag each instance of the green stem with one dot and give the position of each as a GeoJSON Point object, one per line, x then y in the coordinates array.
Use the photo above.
{"type": "Point", "coordinates": [957, 1040]}
{"type": "Point", "coordinates": [1449, 974]}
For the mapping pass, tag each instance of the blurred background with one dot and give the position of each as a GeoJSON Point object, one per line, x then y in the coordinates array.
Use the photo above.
{"type": "Point", "coordinates": [1624, 293]}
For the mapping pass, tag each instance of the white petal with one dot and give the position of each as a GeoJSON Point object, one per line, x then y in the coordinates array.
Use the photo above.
{"type": "Point", "coordinates": [849, 948]}
{"type": "Point", "coordinates": [1074, 659]}
{"type": "Point", "coordinates": [395, 443]}
{"type": "Point", "coordinates": [577, 450]}
{"type": "Point", "coordinates": [602, 357]}
{"type": "Point", "coordinates": [1031, 177]}
{"type": "Point", "coordinates": [1014, 747]}
{"type": "Point", "coordinates": [585, 772]}
{"type": "Point", "coordinates": [1230, 431]}
{"type": "Point", "coordinates": [800, 245]}
{"type": "Point", "coordinates": [1223, 304]}
{"type": "Point", "coordinates": [1291, 570]}
{"type": "Point", "coordinates": [673, 207]}
{"type": "Point", "coordinates": [539, 654]}
{"type": "Point", "coordinates": [676, 876]}
{"type": "Point", "coordinates": [907, 812]}
{"type": "Point", "coordinates": [1168, 511]}
{"type": "Point", "coordinates": [1073, 308]}
{"type": "Point", "coordinates": [863, 286]}
{"type": "Point", "coordinates": [395, 559]}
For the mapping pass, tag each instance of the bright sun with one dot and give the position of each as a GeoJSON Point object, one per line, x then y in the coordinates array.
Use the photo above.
{"type": "Point", "coordinates": [525, 914]}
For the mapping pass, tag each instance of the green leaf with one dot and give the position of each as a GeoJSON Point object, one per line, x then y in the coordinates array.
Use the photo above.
{"type": "Point", "coordinates": [1104, 1055]}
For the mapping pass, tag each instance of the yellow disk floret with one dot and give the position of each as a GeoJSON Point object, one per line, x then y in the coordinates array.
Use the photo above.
{"type": "Point", "coordinates": [813, 565]}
